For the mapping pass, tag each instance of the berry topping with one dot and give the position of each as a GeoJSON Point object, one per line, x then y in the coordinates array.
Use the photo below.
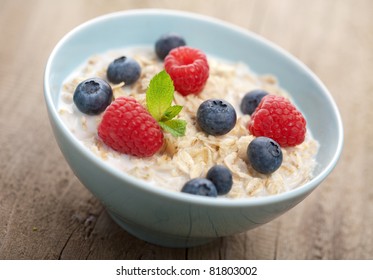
{"type": "Point", "coordinates": [200, 186]}
{"type": "Point", "coordinates": [188, 68]}
{"type": "Point", "coordinates": [166, 43]}
{"type": "Point", "coordinates": [127, 127]}
{"type": "Point", "coordinates": [251, 100]}
{"type": "Point", "coordinates": [216, 117]}
{"type": "Point", "coordinates": [264, 155]}
{"type": "Point", "coordinates": [277, 118]}
{"type": "Point", "coordinates": [221, 177]}
{"type": "Point", "coordinates": [92, 96]}
{"type": "Point", "coordinates": [123, 69]}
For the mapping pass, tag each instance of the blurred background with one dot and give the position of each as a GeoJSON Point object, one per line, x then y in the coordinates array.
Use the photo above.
{"type": "Point", "coordinates": [45, 213]}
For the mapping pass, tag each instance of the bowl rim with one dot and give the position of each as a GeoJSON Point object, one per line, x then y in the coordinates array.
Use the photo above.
{"type": "Point", "coordinates": [302, 190]}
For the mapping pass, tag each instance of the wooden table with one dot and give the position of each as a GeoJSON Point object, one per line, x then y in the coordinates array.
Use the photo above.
{"type": "Point", "coordinates": [45, 213]}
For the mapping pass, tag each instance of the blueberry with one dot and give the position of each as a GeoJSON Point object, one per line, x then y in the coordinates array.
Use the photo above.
{"type": "Point", "coordinates": [123, 69]}
{"type": "Point", "coordinates": [166, 43]}
{"type": "Point", "coordinates": [200, 186]}
{"type": "Point", "coordinates": [264, 155]}
{"type": "Point", "coordinates": [221, 178]}
{"type": "Point", "coordinates": [251, 100]}
{"type": "Point", "coordinates": [216, 116]}
{"type": "Point", "coordinates": [92, 96]}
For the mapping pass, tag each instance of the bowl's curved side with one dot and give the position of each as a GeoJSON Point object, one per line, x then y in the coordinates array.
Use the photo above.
{"type": "Point", "coordinates": [152, 213]}
{"type": "Point", "coordinates": [163, 220]}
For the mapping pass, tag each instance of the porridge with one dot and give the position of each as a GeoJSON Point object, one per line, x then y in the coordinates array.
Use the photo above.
{"type": "Point", "coordinates": [181, 159]}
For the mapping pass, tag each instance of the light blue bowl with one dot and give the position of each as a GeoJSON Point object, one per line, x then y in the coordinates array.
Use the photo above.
{"type": "Point", "coordinates": [169, 218]}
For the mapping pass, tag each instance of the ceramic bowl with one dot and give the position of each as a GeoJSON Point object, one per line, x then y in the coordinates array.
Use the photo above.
{"type": "Point", "coordinates": [170, 218]}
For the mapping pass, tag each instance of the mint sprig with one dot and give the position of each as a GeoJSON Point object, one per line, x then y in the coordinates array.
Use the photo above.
{"type": "Point", "coordinates": [159, 96]}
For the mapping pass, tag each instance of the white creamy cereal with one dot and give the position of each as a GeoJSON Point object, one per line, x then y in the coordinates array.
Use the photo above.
{"type": "Point", "coordinates": [191, 156]}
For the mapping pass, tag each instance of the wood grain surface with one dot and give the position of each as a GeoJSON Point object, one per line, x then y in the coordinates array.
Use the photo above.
{"type": "Point", "coordinates": [45, 213]}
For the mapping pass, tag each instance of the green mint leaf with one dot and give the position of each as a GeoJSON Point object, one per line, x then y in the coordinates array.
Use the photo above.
{"type": "Point", "coordinates": [175, 127]}
{"type": "Point", "coordinates": [159, 94]}
{"type": "Point", "coordinates": [171, 112]}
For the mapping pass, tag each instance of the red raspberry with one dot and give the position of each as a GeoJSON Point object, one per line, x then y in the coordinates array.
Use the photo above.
{"type": "Point", "coordinates": [128, 128]}
{"type": "Point", "coordinates": [277, 118]}
{"type": "Point", "coordinates": [188, 68]}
